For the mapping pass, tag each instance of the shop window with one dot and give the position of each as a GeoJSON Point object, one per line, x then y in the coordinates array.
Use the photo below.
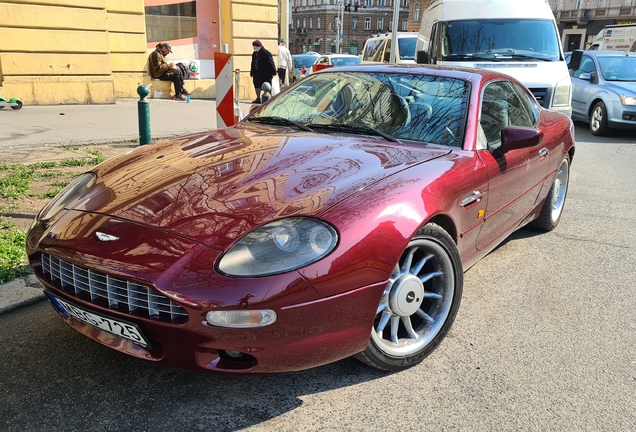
{"type": "Point", "coordinates": [171, 22]}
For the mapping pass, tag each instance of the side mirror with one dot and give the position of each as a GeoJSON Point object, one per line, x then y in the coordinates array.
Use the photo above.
{"type": "Point", "coordinates": [586, 76]}
{"type": "Point", "coordinates": [422, 57]}
{"type": "Point", "coordinates": [519, 137]}
{"type": "Point", "coordinates": [575, 60]}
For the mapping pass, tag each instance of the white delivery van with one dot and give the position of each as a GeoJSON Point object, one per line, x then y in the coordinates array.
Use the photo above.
{"type": "Point", "coordinates": [377, 49]}
{"type": "Point", "coordinates": [620, 37]}
{"type": "Point", "coordinates": [519, 38]}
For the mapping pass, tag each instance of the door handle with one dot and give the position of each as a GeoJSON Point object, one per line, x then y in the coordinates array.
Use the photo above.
{"type": "Point", "coordinates": [543, 152]}
{"type": "Point", "coordinates": [471, 198]}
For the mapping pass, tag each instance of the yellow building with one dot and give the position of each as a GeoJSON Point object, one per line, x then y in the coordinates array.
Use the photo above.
{"type": "Point", "coordinates": [93, 51]}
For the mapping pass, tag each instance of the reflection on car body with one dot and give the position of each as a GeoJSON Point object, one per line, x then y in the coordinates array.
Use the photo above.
{"type": "Point", "coordinates": [335, 220]}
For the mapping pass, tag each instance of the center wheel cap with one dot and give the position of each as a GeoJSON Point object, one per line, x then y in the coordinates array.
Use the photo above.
{"type": "Point", "coordinates": [406, 295]}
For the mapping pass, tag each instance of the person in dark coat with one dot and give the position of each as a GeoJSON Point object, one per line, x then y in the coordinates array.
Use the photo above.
{"type": "Point", "coordinates": [262, 69]}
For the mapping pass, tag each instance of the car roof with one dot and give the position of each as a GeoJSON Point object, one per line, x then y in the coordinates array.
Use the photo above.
{"type": "Point", "coordinates": [607, 53]}
{"type": "Point", "coordinates": [468, 74]}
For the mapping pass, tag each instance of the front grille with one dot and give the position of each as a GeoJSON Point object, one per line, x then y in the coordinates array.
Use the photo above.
{"type": "Point", "coordinates": [541, 95]}
{"type": "Point", "coordinates": [107, 291]}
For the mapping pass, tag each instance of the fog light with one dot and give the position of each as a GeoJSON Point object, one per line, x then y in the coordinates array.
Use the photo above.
{"type": "Point", "coordinates": [241, 318]}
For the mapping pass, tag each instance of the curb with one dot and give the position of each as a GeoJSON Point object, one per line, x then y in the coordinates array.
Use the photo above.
{"type": "Point", "coordinates": [20, 292]}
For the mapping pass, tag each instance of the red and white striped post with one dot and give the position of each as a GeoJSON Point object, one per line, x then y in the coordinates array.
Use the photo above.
{"type": "Point", "coordinates": [225, 115]}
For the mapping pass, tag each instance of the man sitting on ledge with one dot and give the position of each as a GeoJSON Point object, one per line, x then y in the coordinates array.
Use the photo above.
{"type": "Point", "coordinates": [161, 69]}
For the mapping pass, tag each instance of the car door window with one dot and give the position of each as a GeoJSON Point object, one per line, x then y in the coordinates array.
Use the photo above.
{"type": "Point", "coordinates": [587, 66]}
{"type": "Point", "coordinates": [502, 107]}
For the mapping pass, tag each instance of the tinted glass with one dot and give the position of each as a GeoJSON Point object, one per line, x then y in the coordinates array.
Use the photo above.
{"type": "Point", "coordinates": [411, 107]}
{"type": "Point", "coordinates": [618, 68]}
{"type": "Point", "coordinates": [407, 48]}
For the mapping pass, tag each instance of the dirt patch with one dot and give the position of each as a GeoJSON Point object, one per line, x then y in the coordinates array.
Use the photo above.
{"type": "Point", "coordinates": [49, 180]}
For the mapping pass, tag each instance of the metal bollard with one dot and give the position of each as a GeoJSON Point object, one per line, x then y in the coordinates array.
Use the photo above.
{"type": "Point", "coordinates": [143, 111]}
{"type": "Point", "coordinates": [267, 89]}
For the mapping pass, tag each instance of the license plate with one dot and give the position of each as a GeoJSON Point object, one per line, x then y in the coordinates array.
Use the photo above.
{"type": "Point", "coordinates": [122, 329]}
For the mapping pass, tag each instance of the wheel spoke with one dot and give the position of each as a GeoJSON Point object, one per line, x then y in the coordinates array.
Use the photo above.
{"type": "Point", "coordinates": [432, 295]}
{"type": "Point", "coordinates": [396, 271]}
{"type": "Point", "coordinates": [430, 276]}
{"type": "Point", "coordinates": [409, 327]}
{"type": "Point", "coordinates": [382, 306]}
{"type": "Point", "coordinates": [420, 313]}
{"type": "Point", "coordinates": [395, 324]}
{"type": "Point", "coordinates": [418, 267]}
{"type": "Point", "coordinates": [384, 319]}
{"type": "Point", "coordinates": [408, 260]}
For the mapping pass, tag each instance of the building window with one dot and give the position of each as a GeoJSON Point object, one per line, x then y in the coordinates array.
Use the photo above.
{"type": "Point", "coordinates": [367, 23]}
{"type": "Point", "coordinates": [416, 12]}
{"type": "Point", "coordinates": [298, 22]}
{"type": "Point", "coordinates": [304, 22]}
{"type": "Point", "coordinates": [558, 5]}
{"type": "Point", "coordinates": [311, 23]}
{"type": "Point", "coordinates": [318, 23]}
{"type": "Point", "coordinates": [580, 4]}
{"type": "Point", "coordinates": [405, 25]}
{"type": "Point", "coordinates": [331, 26]}
{"type": "Point", "coordinates": [628, 3]}
{"type": "Point", "coordinates": [171, 22]}
{"type": "Point", "coordinates": [380, 24]}
{"type": "Point", "coordinates": [601, 4]}
{"type": "Point", "coordinates": [368, 2]}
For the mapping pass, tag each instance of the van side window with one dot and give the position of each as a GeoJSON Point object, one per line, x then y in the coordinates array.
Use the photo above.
{"type": "Point", "coordinates": [374, 50]}
{"type": "Point", "coordinates": [387, 51]}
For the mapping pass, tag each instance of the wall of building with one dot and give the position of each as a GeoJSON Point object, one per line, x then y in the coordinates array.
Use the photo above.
{"type": "Point", "coordinates": [70, 51]}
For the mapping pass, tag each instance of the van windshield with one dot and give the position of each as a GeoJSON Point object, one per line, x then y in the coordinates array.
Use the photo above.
{"type": "Point", "coordinates": [500, 40]}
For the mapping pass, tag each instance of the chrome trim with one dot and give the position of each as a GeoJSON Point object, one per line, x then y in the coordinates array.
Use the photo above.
{"type": "Point", "coordinates": [471, 198]}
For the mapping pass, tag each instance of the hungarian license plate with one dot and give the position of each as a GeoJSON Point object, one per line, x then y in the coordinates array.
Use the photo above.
{"type": "Point", "coordinates": [122, 329]}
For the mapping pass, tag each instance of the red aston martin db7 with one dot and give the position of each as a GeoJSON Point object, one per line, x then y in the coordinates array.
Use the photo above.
{"type": "Point", "coordinates": [335, 220]}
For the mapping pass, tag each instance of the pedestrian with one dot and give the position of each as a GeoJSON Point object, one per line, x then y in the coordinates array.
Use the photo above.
{"type": "Point", "coordinates": [284, 62]}
{"type": "Point", "coordinates": [161, 69]}
{"type": "Point", "coordinates": [262, 69]}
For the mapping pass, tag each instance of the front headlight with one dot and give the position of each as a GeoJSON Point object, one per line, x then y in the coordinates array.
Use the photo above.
{"type": "Point", "coordinates": [628, 100]}
{"type": "Point", "coordinates": [69, 194]}
{"type": "Point", "coordinates": [562, 93]}
{"type": "Point", "coordinates": [279, 247]}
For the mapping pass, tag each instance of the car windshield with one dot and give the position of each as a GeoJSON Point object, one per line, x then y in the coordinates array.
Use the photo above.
{"type": "Point", "coordinates": [306, 61]}
{"type": "Point", "coordinates": [396, 106]}
{"type": "Point", "coordinates": [344, 61]}
{"type": "Point", "coordinates": [500, 40]}
{"type": "Point", "coordinates": [407, 48]}
{"type": "Point", "coordinates": [618, 68]}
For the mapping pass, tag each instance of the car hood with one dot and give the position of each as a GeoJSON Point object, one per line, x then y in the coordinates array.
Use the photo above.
{"type": "Point", "coordinates": [620, 86]}
{"type": "Point", "coordinates": [213, 187]}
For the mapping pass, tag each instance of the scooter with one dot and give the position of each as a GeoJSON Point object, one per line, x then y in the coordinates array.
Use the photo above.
{"type": "Point", "coordinates": [14, 103]}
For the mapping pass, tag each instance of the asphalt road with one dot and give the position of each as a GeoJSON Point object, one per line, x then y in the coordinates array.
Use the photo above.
{"type": "Point", "coordinates": [544, 340]}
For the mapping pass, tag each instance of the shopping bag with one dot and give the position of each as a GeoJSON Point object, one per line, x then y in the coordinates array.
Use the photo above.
{"type": "Point", "coordinates": [275, 86]}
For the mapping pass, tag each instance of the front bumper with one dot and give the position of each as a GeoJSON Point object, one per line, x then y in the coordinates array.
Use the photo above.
{"type": "Point", "coordinates": [179, 286]}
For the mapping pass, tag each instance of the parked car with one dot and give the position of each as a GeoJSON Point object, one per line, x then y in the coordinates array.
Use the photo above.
{"type": "Point", "coordinates": [603, 89]}
{"type": "Point", "coordinates": [331, 60]}
{"type": "Point", "coordinates": [335, 220]}
{"type": "Point", "coordinates": [305, 60]}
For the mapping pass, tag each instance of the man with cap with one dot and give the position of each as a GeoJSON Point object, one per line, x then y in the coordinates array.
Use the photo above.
{"type": "Point", "coordinates": [262, 69]}
{"type": "Point", "coordinates": [161, 69]}
{"type": "Point", "coordinates": [284, 62]}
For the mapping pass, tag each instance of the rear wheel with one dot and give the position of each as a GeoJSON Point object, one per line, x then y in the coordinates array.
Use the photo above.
{"type": "Point", "coordinates": [553, 206]}
{"type": "Point", "coordinates": [598, 120]}
{"type": "Point", "coordinates": [17, 106]}
{"type": "Point", "coordinates": [419, 303]}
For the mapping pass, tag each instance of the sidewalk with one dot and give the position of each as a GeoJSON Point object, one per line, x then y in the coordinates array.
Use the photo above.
{"type": "Point", "coordinates": [40, 133]}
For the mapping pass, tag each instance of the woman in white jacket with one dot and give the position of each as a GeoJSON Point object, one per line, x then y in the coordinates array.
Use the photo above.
{"type": "Point", "coordinates": [284, 62]}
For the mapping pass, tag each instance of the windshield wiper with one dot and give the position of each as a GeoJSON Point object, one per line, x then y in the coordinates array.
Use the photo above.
{"type": "Point", "coordinates": [470, 57]}
{"type": "Point", "coordinates": [275, 120]}
{"type": "Point", "coordinates": [359, 129]}
{"type": "Point", "coordinates": [527, 57]}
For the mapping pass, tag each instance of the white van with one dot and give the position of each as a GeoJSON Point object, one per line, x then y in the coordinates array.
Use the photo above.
{"type": "Point", "coordinates": [377, 49]}
{"type": "Point", "coordinates": [519, 38]}
{"type": "Point", "coordinates": [620, 37]}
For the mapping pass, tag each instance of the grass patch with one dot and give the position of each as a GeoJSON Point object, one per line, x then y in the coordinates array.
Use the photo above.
{"type": "Point", "coordinates": [16, 181]}
{"type": "Point", "coordinates": [13, 260]}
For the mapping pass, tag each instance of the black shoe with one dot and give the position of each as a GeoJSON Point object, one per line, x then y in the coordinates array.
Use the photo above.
{"type": "Point", "coordinates": [256, 101]}
{"type": "Point", "coordinates": [185, 92]}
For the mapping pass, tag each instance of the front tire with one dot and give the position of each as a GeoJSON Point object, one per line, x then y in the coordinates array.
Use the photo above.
{"type": "Point", "coordinates": [419, 303]}
{"type": "Point", "coordinates": [598, 120]}
{"type": "Point", "coordinates": [555, 201]}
